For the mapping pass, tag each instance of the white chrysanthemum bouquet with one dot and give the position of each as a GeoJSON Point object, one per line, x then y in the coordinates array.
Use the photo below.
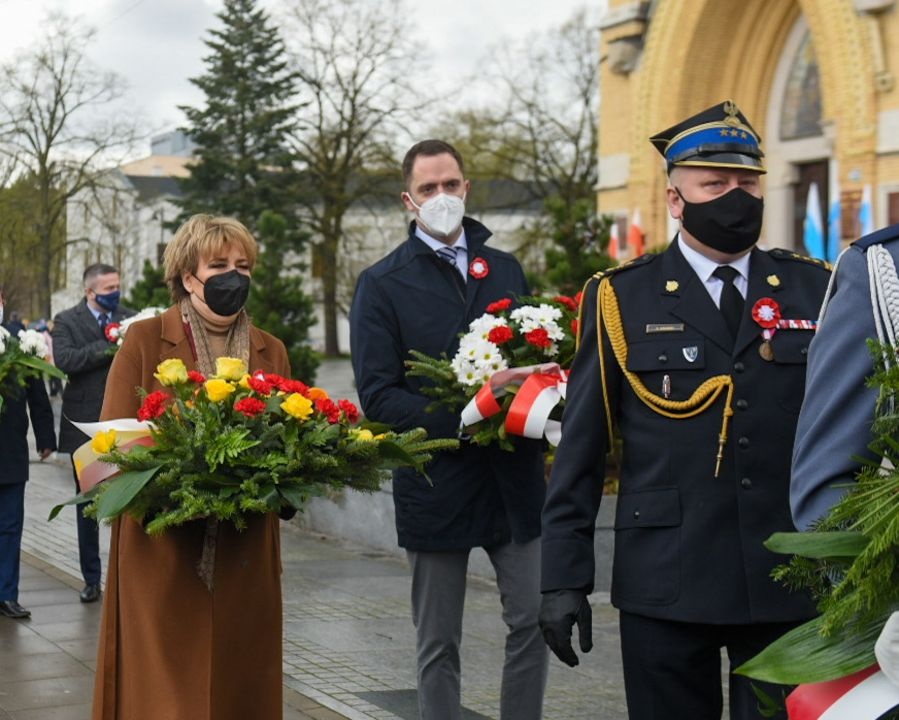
{"type": "Point", "coordinates": [500, 351]}
{"type": "Point", "coordinates": [22, 358]}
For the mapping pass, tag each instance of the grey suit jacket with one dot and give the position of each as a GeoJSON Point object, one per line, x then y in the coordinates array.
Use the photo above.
{"type": "Point", "coordinates": [834, 428]}
{"type": "Point", "coordinates": [81, 350]}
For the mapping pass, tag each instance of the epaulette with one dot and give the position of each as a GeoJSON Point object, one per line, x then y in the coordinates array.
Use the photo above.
{"type": "Point", "coordinates": [632, 263]}
{"type": "Point", "coordinates": [880, 237]}
{"type": "Point", "coordinates": [781, 254]}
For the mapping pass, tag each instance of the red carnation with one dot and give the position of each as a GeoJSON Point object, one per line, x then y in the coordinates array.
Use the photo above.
{"type": "Point", "coordinates": [350, 411]}
{"type": "Point", "coordinates": [500, 334]}
{"type": "Point", "coordinates": [329, 409]}
{"type": "Point", "coordinates": [249, 406]}
{"type": "Point", "coordinates": [258, 384]}
{"type": "Point", "coordinates": [577, 297]}
{"type": "Point", "coordinates": [195, 376]}
{"type": "Point", "coordinates": [538, 338]}
{"type": "Point", "coordinates": [154, 405]}
{"type": "Point", "coordinates": [567, 302]}
{"type": "Point", "coordinates": [574, 327]}
{"type": "Point", "coordinates": [271, 378]}
{"type": "Point", "coordinates": [294, 386]}
{"type": "Point", "coordinates": [499, 305]}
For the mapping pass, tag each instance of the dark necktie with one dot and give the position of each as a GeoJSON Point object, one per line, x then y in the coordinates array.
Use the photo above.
{"type": "Point", "coordinates": [104, 320]}
{"type": "Point", "coordinates": [447, 253]}
{"type": "Point", "coordinates": [732, 302]}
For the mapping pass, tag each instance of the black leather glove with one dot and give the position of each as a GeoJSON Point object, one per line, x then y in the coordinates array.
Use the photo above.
{"type": "Point", "coordinates": [559, 611]}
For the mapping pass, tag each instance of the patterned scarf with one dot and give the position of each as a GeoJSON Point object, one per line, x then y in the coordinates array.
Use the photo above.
{"type": "Point", "coordinates": [237, 342]}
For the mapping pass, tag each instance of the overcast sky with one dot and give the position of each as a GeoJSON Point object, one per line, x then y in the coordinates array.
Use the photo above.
{"type": "Point", "coordinates": [156, 45]}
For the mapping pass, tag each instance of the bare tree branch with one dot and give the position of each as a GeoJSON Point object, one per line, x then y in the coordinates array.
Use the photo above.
{"type": "Point", "coordinates": [353, 59]}
{"type": "Point", "coordinates": [60, 121]}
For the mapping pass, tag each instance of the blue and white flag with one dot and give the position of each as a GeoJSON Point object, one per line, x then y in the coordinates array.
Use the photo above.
{"type": "Point", "coordinates": [834, 219]}
{"type": "Point", "coordinates": [813, 226]}
{"type": "Point", "coordinates": [866, 213]}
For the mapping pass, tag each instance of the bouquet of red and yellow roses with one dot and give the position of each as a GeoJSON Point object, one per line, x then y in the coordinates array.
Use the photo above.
{"type": "Point", "coordinates": [232, 444]}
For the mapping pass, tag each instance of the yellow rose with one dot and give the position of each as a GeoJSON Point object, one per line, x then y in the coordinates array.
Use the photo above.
{"type": "Point", "coordinates": [218, 389]}
{"type": "Point", "coordinates": [364, 435]}
{"type": "Point", "coordinates": [297, 406]}
{"type": "Point", "coordinates": [171, 372]}
{"type": "Point", "coordinates": [243, 381]}
{"type": "Point", "coordinates": [103, 442]}
{"type": "Point", "coordinates": [229, 368]}
{"type": "Point", "coordinates": [316, 393]}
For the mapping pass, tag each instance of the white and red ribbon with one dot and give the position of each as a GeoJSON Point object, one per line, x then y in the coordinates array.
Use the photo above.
{"type": "Point", "coordinates": [88, 467]}
{"type": "Point", "coordinates": [784, 324]}
{"type": "Point", "coordinates": [865, 695]}
{"type": "Point", "coordinates": [542, 388]}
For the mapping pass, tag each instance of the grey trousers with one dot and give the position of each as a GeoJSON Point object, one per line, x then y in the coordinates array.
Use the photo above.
{"type": "Point", "coordinates": [438, 597]}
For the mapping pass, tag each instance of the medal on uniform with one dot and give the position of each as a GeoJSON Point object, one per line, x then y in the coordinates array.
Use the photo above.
{"type": "Point", "coordinates": [766, 313]}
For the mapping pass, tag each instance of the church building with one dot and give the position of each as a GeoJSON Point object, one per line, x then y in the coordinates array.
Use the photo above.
{"type": "Point", "coordinates": [816, 78]}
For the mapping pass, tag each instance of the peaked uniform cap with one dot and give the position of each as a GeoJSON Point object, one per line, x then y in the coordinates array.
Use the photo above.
{"type": "Point", "coordinates": [719, 136]}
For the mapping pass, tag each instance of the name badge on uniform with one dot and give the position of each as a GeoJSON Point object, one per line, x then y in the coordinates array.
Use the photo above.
{"type": "Point", "coordinates": [690, 353]}
{"type": "Point", "coordinates": [664, 327]}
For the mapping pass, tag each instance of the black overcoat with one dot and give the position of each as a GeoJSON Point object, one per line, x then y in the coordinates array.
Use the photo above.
{"type": "Point", "coordinates": [481, 496]}
{"type": "Point", "coordinates": [688, 545]}
{"type": "Point", "coordinates": [81, 350]}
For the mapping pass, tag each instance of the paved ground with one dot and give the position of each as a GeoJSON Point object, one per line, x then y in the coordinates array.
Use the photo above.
{"type": "Point", "coordinates": [348, 636]}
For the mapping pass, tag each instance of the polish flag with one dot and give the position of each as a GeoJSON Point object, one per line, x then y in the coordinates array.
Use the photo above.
{"type": "Point", "coordinates": [635, 234]}
{"type": "Point", "coordinates": [865, 695]}
{"type": "Point", "coordinates": [614, 245]}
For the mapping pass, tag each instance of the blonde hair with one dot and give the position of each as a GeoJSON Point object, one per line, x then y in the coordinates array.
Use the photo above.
{"type": "Point", "coordinates": [203, 236]}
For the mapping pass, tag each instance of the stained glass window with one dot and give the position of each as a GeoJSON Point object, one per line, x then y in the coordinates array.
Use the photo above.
{"type": "Point", "coordinates": [801, 112]}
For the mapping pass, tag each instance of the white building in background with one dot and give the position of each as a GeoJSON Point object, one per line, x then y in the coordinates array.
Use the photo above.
{"type": "Point", "coordinates": [123, 224]}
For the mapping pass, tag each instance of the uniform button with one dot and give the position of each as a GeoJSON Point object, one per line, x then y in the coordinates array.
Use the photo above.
{"type": "Point", "coordinates": [804, 351]}
{"type": "Point", "coordinates": [636, 514]}
{"type": "Point", "coordinates": [746, 483]}
{"type": "Point", "coordinates": [742, 404]}
{"type": "Point", "coordinates": [743, 442]}
{"type": "Point", "coordinates": [739, 367]}
{"type": "Point", "coordinates": [663, 358]}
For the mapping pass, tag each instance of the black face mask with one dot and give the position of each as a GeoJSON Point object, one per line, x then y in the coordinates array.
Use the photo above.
{"type": "Point", "coordinates": [226, 294]}
{"type": "Point", "coordinates": [729, 224]}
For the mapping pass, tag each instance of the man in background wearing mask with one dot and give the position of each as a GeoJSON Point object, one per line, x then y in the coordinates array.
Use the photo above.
{"type": "Point", "coordinates": [698, 358]}
{"type": "Point", "coordinates": [82, 350]}
{"type": "Point", "coordinates": [421, 297]}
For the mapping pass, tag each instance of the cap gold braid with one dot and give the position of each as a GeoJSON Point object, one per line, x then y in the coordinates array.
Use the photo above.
{"type": "Point", "coordinates": [608, 315]}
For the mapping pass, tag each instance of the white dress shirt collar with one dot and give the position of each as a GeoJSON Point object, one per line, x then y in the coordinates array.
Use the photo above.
{"type": "Point", "coordinates": [461, 246]}
{"type": "Point", "coordinates": [704, 267]}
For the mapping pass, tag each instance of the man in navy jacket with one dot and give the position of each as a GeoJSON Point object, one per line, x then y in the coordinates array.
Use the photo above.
{"type": "Point", "coordinates": [421, 297]}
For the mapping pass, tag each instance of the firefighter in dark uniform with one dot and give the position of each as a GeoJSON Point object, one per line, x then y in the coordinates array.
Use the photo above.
{"type": "Point", "coordinates": [697, 357]}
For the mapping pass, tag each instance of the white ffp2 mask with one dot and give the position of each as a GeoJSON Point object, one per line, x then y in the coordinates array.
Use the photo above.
{"type": "Point", "coordinates": [441, 214]}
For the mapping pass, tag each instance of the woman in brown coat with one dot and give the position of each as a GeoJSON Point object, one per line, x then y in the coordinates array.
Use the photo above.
{"type": "Point", "coordinates": [191, 625]}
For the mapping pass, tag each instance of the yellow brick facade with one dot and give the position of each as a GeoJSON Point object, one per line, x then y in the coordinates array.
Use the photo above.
{"type": "Point", "coordinates": [665, 60]}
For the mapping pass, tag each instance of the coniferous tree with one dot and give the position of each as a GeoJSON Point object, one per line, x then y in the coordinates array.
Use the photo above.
{"type": "Point", "coordinates": [277, 302]}
{"type": "Point", "coordinates": [244, 164]}
{"type": "Point", "coordinates": [150, 290]}
{"type": "Point", "coordinates": [245, 168]}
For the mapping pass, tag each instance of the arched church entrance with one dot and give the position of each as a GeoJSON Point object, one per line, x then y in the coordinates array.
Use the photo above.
{"type": "Point", "coordinates": [799, 147]}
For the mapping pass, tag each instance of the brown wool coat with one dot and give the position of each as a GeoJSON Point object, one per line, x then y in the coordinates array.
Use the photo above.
{"type": "Point", "coordinates": [169, 649]}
